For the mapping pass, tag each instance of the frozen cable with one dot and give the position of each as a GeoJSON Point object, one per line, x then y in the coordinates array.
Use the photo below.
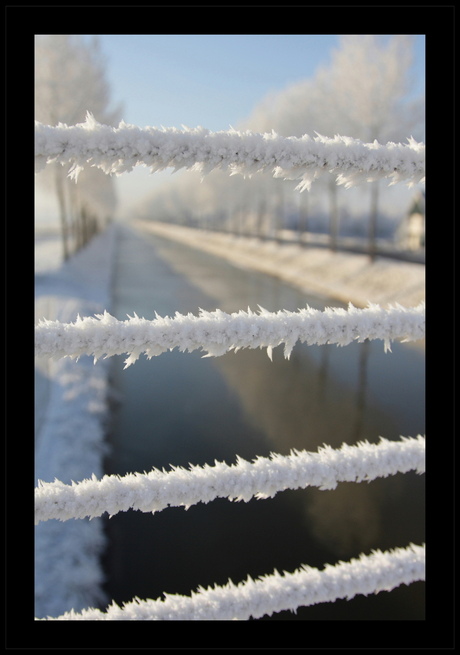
{"type": "Point", "coordinates": [262, 478]}
{"type": "Point", "coordinates": [116, 150]}
{"type": "Point", "coordinates": [218, 332]}
{"type": "Point", "coordinates": [368, 574]}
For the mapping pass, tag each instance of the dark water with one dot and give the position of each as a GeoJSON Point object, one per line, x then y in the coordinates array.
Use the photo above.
{"type": "Point", "coordinates": [181, 409]}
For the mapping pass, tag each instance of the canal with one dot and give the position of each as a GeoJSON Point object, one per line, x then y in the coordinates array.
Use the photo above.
{"type": "Point", "coordinates": [180, 409]}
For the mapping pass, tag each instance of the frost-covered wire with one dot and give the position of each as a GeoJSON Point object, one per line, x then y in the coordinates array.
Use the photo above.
{"type": "Point", "coordinates": [263, 478]}
{"type": "Point", "coordinates": [218, 332]}
{"type": "Point", "coordinates": [116, 150]}
{"type": "Point", "coordinates": [367, 574]}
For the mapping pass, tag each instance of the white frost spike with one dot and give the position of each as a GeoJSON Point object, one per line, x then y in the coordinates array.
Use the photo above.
{"type": "Point", "coordinates": [217, 332]}
{"type": "Point", "coordinates": [263, 478]}
{"type": "Point", "coordinates": [116, 150]}
{"type": "Point", "coordinates": [367, 574]}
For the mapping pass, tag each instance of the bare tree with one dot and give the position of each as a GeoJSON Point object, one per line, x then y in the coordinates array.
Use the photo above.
{"type": "Point", "coordinates": [69, 81]}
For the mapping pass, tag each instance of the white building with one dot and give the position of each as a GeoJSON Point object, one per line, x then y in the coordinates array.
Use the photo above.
{"type": "Point", "coordinates": [411, 233]}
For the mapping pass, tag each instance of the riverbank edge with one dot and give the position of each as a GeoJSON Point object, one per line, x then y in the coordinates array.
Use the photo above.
{"type": "Point", "coordinates": [81, 286]}
{"type": "Point", "coordinates": [341, 276]}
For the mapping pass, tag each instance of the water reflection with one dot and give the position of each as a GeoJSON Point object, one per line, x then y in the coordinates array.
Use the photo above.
{"type": "Point", "coordinates": [179, 409]}
{"type": "Point", "coordinates": [362, 384]}
{"type": "Point", "coordinates": [299, 405]}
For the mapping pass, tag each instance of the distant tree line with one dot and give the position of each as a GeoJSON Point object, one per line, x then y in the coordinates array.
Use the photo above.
{"type": "Point", "coordinates": [363, 93]}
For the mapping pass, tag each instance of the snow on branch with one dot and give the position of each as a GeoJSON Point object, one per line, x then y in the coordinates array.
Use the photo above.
{"type": "Point", "coordinates": [263, 478]}
{"type": "Point", "coordinates": [367, 574]}
{"type": "Point", "coordinates": [116, 150]}
{"type": "Point", "coordinates": [218, 332]}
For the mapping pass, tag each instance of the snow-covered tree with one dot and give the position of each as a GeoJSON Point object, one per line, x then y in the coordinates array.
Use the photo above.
{"type": "Point", "coordinates": [368, 80]}
{"type": "Point", "coordinates": [69, 81]}
{"type": "Point", "coordinates": [297, 110]}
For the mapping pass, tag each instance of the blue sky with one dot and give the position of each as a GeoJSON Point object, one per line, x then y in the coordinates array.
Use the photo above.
{"type": "Point", "coordinates": [213, 80]}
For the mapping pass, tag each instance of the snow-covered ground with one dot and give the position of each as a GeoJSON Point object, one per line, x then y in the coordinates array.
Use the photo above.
{"type": "Point", "coordinates": [71, 404]}
{"type": "Point", "coordinates": [340, 276]}
{"type": "Point", "coordinates": [70, 411]}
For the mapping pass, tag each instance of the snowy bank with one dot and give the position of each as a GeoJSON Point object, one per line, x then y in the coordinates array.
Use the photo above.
{"type": "Point", "coordinates": [70, 412]}
{"type": "Point", "coordinates": [342, 276]}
